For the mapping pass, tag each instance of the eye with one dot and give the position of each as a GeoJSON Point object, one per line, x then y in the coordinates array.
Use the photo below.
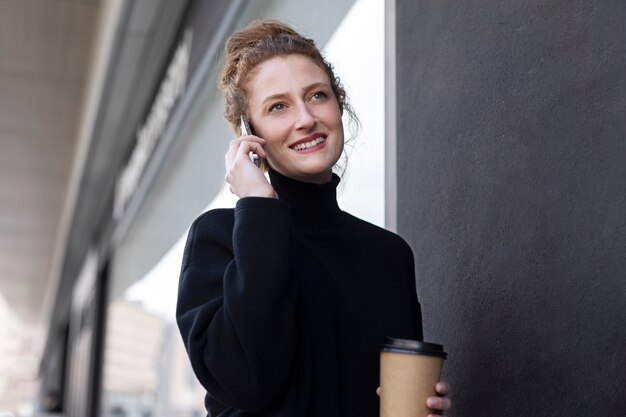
{"type": "Point", "coordinates": [276, 107]}
{"type": "Point", "coordinates": [320, 95]}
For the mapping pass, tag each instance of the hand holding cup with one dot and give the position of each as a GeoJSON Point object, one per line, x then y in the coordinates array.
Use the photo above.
{"type": "Point", "coordinates": [409, 372]}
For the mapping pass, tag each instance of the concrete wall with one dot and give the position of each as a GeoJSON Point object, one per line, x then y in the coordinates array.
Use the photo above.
{"type": "Point", "coordinates": [511, 159]}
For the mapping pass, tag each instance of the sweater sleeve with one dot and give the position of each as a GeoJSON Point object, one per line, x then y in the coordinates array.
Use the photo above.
{"type": "Point", "coordinates": [236, 302]}
{"type": "Point", "coordinates": [415, 305]}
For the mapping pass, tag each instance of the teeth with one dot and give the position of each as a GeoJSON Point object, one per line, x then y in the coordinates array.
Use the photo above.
{"type": "Point", "coordinates": [310, 144]}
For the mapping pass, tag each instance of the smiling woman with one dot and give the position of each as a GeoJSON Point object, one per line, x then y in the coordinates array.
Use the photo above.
{"type": "Point", "coordinates": [292, 106]}
{"type": "Point", "coordinates": [284, 301]}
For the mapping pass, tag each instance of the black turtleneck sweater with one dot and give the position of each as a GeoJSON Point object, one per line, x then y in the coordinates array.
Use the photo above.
{"type": "Point", "coordinates": [283, 304]}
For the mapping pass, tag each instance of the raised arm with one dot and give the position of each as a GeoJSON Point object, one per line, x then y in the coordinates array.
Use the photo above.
{"type": "Point", "coordinates": [236, 303]}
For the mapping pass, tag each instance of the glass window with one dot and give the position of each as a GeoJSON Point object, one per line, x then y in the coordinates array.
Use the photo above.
{"type": "Point", "coordinates": [357, 52]}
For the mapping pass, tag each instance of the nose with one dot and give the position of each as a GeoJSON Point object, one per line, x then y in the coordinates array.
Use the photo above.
{"type": "Point", "coordinates": [305, 119]}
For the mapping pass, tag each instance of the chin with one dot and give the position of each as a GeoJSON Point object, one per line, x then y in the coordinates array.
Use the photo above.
{"type": "Point", "coordinates": [317, 171]}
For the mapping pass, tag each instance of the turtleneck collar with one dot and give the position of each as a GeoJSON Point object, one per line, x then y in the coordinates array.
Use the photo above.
{"type": "Point", "coordinates": [313, 206]}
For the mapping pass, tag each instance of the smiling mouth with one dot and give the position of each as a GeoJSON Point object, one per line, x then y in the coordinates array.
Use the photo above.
{"type": "Point", "coordinates": [309, 144]}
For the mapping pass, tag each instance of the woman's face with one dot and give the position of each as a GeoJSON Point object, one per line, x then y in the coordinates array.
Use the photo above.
{"type": "Point", "coordinates": [292, 106]}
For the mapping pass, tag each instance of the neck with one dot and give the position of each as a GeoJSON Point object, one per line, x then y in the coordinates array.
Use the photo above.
{"type": "Point", "coordinates": [313, 206]}
{"type": "Point", "coordinates": [319, 179]}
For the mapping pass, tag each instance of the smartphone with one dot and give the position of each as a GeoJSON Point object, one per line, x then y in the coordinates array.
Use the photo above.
{"type": "Point", "coordinates": [244, 126]}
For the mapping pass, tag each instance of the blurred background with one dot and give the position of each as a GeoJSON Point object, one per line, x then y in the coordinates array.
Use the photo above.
{"type": "Point", "coordinates": [493, 140]}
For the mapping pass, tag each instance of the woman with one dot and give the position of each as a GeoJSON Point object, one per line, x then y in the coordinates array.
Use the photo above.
{"type": "Point", "coordinates": [284, 301]}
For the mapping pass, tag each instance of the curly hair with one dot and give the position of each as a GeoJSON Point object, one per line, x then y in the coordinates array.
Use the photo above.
{"type": "Point", "coordinates": [260, 41]}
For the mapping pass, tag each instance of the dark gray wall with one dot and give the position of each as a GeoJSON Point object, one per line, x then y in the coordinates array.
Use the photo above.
{"type": "Point", "coordinates": [512, 192]}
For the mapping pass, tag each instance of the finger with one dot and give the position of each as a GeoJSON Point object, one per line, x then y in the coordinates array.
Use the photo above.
{"type": "Point", "coordinates": [251, 137]}
{"type": "Point", "coordinates": [235, 143]}
{"type": "Point", "coordinates": [242, 149]}
{"type": "Point", "coordinates": [378, 391]}
{"type": "Point", "coordinates": [442, 388]}
{"type": "Point", "coordinates": [438, 403]}
{"type": "Point", "coordinates": [246, 147]}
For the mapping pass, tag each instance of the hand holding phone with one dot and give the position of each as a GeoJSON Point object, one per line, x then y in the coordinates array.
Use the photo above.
{"type": "Point", "coordinates": [243, 180]}
{"type": "Point", "coordinates": [245, 130]}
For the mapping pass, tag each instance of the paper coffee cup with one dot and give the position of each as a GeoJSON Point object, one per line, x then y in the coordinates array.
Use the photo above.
{"type": "Point", "coordinates": [409, 370]}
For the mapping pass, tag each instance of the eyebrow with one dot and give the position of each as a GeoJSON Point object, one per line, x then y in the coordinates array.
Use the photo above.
{"type": "Point", "coordinates": [304, 90]}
